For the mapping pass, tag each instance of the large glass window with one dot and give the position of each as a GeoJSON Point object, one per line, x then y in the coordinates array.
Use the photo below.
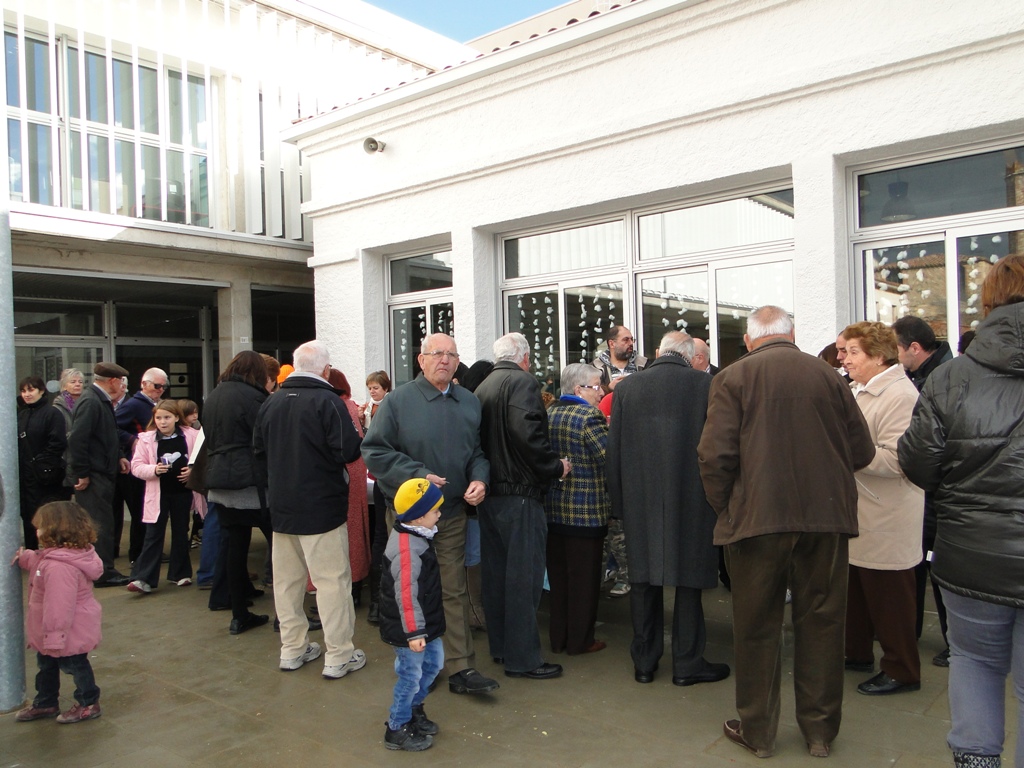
{"type": "Point", "coordinates": [124, 167]}
{"type": "Point", "coordinates": [95, 87]}
{"type": "Point", "coordinates": [151, 181]}
{"type": "Point", "coordinates": [536, 315]}
{"type": "Point", "coordinates": [99, 174]}
{"type": "Point", "coordinates": [158, 322]}
{"type": "Point", "coordinates": [124, 101]}
{"type": "Point", "coordinates": [57, 318]}
{"type": "Point", "coordinates": [148, 101]}
{"type": "Point", "coordinates": [596, 245]}
{"type": "Point", "coordinates": [975, 256]}
{"type": "Point", "coordinates": [40, 164]}
{"type": "Point", "coordinates": [14, 159]}
{"type": "Point", "coordinates": [590, 311]}
{"type": "Point", "coordinates": [673, 302]}
{"type": "Point", "coordinates": [983, 182]}
{"type": "Point", "coordinates": [13, 67]}
{"type": "Point", "coordinates": [175, 186]}
{"type": "Point", "coordinates": [757, 219]}
{"type": "Point", "coordinates": [910, 279]}
{"type": "Point", "coordinates": [408, 329]}
{"type": "Point", "coordinates": [426, 272]}
{"type": "Point", "coordinates": [739, 291]}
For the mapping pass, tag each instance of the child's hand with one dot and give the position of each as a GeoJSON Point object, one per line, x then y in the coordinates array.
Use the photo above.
{"type": "Point", "coordinates": [417, 645]}
{"type": "Point", "coordinates": [183, 475]}
{"type": "Point", "coordinates": [17, 556]}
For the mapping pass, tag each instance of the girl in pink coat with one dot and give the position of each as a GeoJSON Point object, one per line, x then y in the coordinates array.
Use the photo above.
{"type": "Point", "coordinates": [161, 459]}
{"type": "Point", "coordinates": [63, 619]}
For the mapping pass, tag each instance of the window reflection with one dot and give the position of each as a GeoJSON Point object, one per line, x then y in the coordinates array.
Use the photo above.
{"type": "Point", "coordinates": [590, 312]}
{"type": "Point", "coordinates": [535, 315]}
{"type": "Point", "coordinates": [673, 303]}
{"type": "Point", "coordinates": [151, 180]}
{"type": "Point", "coordinates": [408, 329]}
{"type": "Point", "coordinates": [40, 164]}
{"type": "Point", "coordinates": [442, 318]}
{"type": "Point", "coordinates": [910, 280]}
{"type": "Point", "coordinates": [99, 174]}
{"type": "Point", "coordinates": [124, 102]}
{"type": "Point", "coordinates": [14, 158]}
{"type": "Point", "coordinates": [570, 249]}
{"type": "Point", "coordinates": [13, 67]}
{"type": "Point", "coordinates": [175, 187]}
{"type": "Point", "coordinates": [741, 290]}
{"type": "Point", "coordinates": [425, 272]}
{"type": "Point", "coordinates": [975, 256]}
{"type": "Point", "coordinates": [95, 87]}
{"type": "Point", "coordinates": [124, 167]}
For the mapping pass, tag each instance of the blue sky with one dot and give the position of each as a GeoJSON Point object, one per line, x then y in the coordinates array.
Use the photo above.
{"type": "Point", "coordinates": [464, 20]}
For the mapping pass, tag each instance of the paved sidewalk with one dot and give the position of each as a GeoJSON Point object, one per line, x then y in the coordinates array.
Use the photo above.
{"type": "Point", "coordinates": [178, 690]}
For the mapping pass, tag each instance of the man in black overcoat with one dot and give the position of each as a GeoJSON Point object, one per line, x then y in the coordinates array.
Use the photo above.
{"type": "Point", "coordinates": [654, 482]}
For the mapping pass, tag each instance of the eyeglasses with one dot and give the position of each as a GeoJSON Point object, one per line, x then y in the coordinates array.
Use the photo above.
{"type": "Point", "coordinates": [437, 354]}
{"type": "Point", "coordinates": [595, 387]}
{"type": "Point", "coordinates": [157, 386]}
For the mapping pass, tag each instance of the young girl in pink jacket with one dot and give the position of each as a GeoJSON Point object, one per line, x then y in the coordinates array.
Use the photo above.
{"type": "Point", "coordinates": [161, 459]}
{"type": "Point", "coordinates": [63, 619]}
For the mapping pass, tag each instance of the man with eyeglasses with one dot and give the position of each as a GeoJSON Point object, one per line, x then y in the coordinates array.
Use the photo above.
{"type": "Point", "coordinates": [620, 359]}
{"type": "Point", "coordinates": [133, 415]}
{"type": "Point", "coordinates": [439, 440]}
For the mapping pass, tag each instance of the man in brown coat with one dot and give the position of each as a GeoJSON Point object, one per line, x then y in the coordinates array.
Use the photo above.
{"type": "Point", "coordinates": [782, 440]}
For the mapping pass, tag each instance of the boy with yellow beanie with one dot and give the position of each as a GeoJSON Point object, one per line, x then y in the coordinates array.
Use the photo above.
{"type": "Point", "coordinates": [411, 613]}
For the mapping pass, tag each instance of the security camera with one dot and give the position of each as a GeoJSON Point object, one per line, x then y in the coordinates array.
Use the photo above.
{"type": "Point", "coordinates": [371, 145]}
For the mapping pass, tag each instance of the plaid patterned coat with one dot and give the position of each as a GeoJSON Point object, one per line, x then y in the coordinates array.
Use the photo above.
{"type": "Point", "coordinates": [578, 431]}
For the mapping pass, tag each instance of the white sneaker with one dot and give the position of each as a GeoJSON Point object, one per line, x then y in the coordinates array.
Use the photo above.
{"type": "Point", "coordinates": [621, 589]}
{"type": "Point", "coordinates": [139, 586]}
{"type": "Point", "coordinates": [184, 582]}
{"type": "Point", "coordinates": [334, 671]}
{"type": "Point", "coordinates": [312, 652]}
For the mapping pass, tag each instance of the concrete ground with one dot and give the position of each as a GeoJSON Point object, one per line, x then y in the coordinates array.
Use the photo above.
{"type": "Point", "coordinates": [178, 690]}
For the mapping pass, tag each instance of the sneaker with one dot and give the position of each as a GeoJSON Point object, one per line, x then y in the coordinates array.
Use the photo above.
{"type": "Point", "coordinates": [422, 723]}
{"type": "Point", "coordinates": [621, 589]}
{"type": "Point", "coordinates": [140, 587]}
{"type": "Point", "coordinates": [941, 659]}
{"type": "Point", "coordinates": [336, 671]}
{"type": "Point", "coordinates": [470, 681]}
{"type": "Point", "coordinates": [609, 575]}
{"type": "Point", "coordinates": [35, 713]}
{"type": "Point", "coordinates": [312, 652]}
{"type": "Point", "coordinates": [79, 713]}
{"type": "Point", "coordinates": [406, 738]}
{"type": "Point", "coordinates": [183, 582]}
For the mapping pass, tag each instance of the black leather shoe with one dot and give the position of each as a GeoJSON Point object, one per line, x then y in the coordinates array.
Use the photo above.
{"type": "Point", "coordinates": [860, 666]}
{"type": "Point", "coordinates": [314, 624]}
{"type": "Point", "coordinates": [712, 674]}
{"type": "Point", "coordinates": [643, 677]}
{"type": "Point", "coordinates": [253, 620]}
{"type": "Point", "coordinates": [422, 723]}
{"type": "Point", "coordinates": [543, 672]}
{"type": "Point", "coordinates": [941, 659]}
{"type": "Point", "coordinates": [373, 615]}
{"type": "Point", "coordinates": [112, 579]}
{"type": "Point", "coordinates": [883, 685]}
{"type": "Point", "coordinates": [498, 660]}
{"type": "Point", "coordinates": [471, 681]}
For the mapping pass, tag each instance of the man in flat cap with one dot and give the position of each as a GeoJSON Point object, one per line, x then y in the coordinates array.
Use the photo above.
{"type": "Point", "coordinates": [94, 459]}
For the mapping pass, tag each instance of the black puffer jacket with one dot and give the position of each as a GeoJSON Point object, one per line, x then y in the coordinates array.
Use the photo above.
{"type": "Point", "coordinates": [410, 589]}
{"type": "Point", "coordinates": [229, 415]}
{"type": "Point", "coordinates": [965, 444]}
{"type": "Point", "coordinates": [514, 433]}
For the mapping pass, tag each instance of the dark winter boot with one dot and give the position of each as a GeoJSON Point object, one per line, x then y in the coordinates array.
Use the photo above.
{"type": "Point", "coordinates": [966, 760]}
{"type": "Point", "coordinates": [373, 615]}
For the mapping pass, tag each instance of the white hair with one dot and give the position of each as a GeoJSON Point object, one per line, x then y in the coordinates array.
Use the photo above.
{"type": "Point", "coordinates": [769, 320]}
{"type": "Point", "coordinates": [512, 347]}
{"type": "Point", "coordinates": [311, 357]}
{"type": "Point", "coordinates": [679, 342]}
{"type": "Point", "coordinates": [157, 373]}
{"type": "Point", "coordinates": [578, 375]}
{"type": "Point", "coordinates": [428, 342]}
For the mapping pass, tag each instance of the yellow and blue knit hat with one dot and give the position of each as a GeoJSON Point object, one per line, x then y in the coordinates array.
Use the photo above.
{"type": "Point", "coordinates": [415, 498]}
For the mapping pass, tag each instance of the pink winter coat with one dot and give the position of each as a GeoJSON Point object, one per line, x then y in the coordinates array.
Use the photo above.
{"type": "Point", "coordinates": [63, 617]}
{"type": "Point", "coordinates": [144, 467]}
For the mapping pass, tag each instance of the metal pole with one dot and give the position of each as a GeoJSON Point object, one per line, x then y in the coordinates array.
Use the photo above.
{"type": "Point", "coordinates": [12, 626]}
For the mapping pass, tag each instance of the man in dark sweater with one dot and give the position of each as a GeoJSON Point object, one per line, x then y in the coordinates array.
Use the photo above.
{"type": "Point", "coordinates": [305, 437]}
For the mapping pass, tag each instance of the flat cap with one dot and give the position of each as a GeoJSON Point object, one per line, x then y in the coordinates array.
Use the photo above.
{"type": "Point", "coordinates": [109, 370]}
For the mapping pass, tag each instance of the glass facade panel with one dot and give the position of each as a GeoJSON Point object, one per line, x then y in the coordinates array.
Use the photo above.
{"type": "Point", "coordinates": [197, 111]}
{"type": "Point", "coordinates": [124, 102]}
{"type": "Point", "coordinates": [149, 109]}
{"type": "Point", "coordinates": [11, 59]}
{"type": "Point", "coordinates": [421, 273]}
{"type": "Point", "coordinates": [40, 164]}
{"type": "Point", "coordinates": [14, 158]}
{"type": "Point", "coordinates": [589, 312]}
{"type": "Point", "coordinates": [49, 361]}
{"type": "Point", "coordinates": [408, 329]}
{"type": "Point", "coordinates": [757, 219]}
{"type": "Point", "coordinates": [910, 280]}
{"type": "Point", "coordinates": [37, 75]}
{"type": "Point", "coordinates": [57, 318]}
{"type": "Point", "coordinates": [673, 303]}
{"type": "Point", "coordinates": [982, 182]}
{"type": "Point", "coordinates": [72, 84]}
{"type": "Point", "coordinates": [184, 365]}
{"type": "Point", "coordinates": [200, 192]}
{"type": "Point", "coordinates": [75, 171]}
{"type": "Point", "coordinates": [974, 258]}
{"type": "Point", "coordinates": [99, 173]}
{"type": "Point", "coordinates": [157, 322]}
{"type": "Point", "coordinates": [568, 250]}
{"type": "Point", "coordinates": [174, 112]}
{"type": "Point", "coordinates": [535, 315]}
{"type": "Point", "coordinates": [95, 87]}
{"type": "Point", "coordinates": [175, 187]}
{"type": "Point", "coordinates": [442, 318]}
{"type": "Point", "coordinates": [151, 180]}
{"type": "Point", "coordinates": [741, 290]}
{"type": "Point", "coordinates": [124, 167]}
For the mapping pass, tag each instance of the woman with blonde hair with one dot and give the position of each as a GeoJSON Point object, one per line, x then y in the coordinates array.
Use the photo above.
{"type": "Point", "coordinates": [882, 592]}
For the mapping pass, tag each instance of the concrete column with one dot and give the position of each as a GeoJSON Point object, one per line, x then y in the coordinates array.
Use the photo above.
{"type": "Point", "coordinates": [476, 296]}
{"type": "Point", "coordinates": [234, 320]}
{"type": "Point", "coordinates": [12, 625]}
{"type": "Point", "coordinates": [823, 269]}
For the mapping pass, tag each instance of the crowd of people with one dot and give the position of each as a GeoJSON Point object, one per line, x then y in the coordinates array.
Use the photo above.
{"type": "Point", "coordinates": [834, 484]}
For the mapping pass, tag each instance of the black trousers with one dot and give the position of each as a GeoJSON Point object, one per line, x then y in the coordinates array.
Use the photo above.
{"type": "Point", "coordinates": [237, 524]}
{"type": "Point", "coordinates": [177, 507]}
{"type": "Point", "coordinates": [98, 500]}
{"type": "Point", "coordinates": [647, 607]}
{"type": "Point", "coordinates": [129, 490]}
{"type": "Point", "coordinates": [574, 574]}
{"type": "Point", "coordinates": [48, 679]}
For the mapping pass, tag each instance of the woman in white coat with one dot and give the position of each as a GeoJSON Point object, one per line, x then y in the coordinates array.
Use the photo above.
{"type": "Point", "coordinates": [890, 514]}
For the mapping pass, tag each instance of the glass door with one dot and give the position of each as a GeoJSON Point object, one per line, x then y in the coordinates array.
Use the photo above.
{"type": "Point", "coordinates": [739, 287]}
{"type": "Point", "coordinates": [410, 325]}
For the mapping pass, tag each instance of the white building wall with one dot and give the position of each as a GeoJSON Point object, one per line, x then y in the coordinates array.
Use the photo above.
{"type": "Point", "coordinates": [658, 101]}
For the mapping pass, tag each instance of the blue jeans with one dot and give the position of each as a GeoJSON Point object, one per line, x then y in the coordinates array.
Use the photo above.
{"type": "Point", "coordinates": [48, 679]}
{"type": "Point", "coordinates": [986, 643]}
{"type": "Point", "coordinates": [416, 671]}
{"type": "Point", "coordinates": [472, 541]}
{"type": "Point", "coordinates": [208, 550]}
